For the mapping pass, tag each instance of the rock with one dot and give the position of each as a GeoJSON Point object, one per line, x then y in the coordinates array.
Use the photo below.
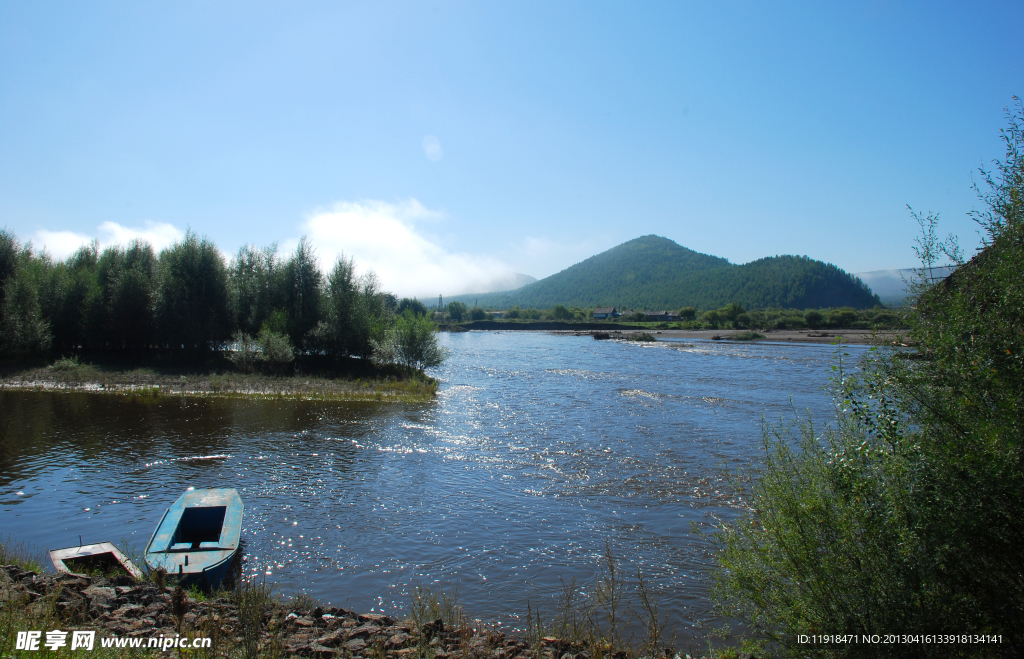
{"type": "Point", "coordinates": [303, 621]}
{"type": "Point", "coordinates": [364, 631]}
{"type": "Point", "coordinates": [128, 611]}
{"type": "Point", "coordinates": [355, 645]}
{"type": "Point", "coordinates": [378, 618]}
{"type": "Point", "coordinates": [399, 640]}
{"type": "Point", "coordinates": [332, 640]}
{"type": "Point", "coordinates": [99, 594]}
{"type": "Point", "coordinates": [310, 650]}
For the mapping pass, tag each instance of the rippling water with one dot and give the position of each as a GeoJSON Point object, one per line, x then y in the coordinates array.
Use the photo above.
{"type": "Point", "coordinates": [538, 450]}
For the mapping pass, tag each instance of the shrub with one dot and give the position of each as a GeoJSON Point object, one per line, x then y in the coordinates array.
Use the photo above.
{"type": "Point", "coordinates": [412, 343]}
{"type": "Point", "coordinates": [275, 351]}
{"type": "Point", "coordinates": [711, 318]}
{"type": "Point", "coordinates": [559, 312]}
{"type": "Point", "coordinates": [244, 352]}
{"type": "Point", "coordinates": [906, 514]}
{"type": "Point", "coordinates": [456, 310]}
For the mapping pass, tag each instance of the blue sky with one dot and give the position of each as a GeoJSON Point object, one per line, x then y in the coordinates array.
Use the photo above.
{"type": "Point", "coordinates": [443, 144]}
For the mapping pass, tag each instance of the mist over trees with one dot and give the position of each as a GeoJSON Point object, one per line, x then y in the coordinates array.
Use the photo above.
{"type": "Point", "coordinates": [261, 308]}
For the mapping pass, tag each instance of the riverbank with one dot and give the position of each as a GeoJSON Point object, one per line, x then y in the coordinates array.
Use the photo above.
{"type": "Point", "coordinates": [67, 376]}
{"type": "Point", "coordinates": [250, 622]}
{"type": "Point", "coordinates": [851, 336]}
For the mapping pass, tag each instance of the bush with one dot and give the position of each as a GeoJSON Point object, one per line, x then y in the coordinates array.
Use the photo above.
{"type": "Point", "coordinates": [559, 312]}
{"type": "Point", "coordinates": [476, 313]}
{"type": "Point", "coordinates": [412, 343]}
{"type": "Point", "coordinates": [456, 310]}
{"type": "Point", "coordinates": [906, 516]}
{"type": "Point", "coordinates": [275, 351]}
{"type": "Point", "coordinates": [244, 352]}
{"type": "Point", "coordinates": [711, 318]}
{"type": "Point", "coordinates": [813, 318]}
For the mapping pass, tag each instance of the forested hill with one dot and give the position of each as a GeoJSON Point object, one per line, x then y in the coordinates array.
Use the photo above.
{"type": "Point", "coordinates": [652, 272]}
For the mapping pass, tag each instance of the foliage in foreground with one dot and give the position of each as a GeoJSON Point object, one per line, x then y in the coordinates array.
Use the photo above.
{"type": "Point", "coordinates": [905, 517]}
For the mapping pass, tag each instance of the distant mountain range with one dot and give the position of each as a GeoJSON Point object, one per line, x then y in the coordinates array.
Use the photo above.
{"type": "Point", "coordinates": [652, 272]}
{"type": "Point", "coordinates": [890, 285]}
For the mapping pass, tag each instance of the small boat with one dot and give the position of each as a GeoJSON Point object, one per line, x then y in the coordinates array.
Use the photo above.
{"type": "Point", "coordinates": [102, 557]}
{"type": "Point", "coordinates": [197, 539]}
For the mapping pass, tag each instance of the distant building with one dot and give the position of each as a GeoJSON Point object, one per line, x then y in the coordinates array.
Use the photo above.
{"type": "Point", "coordinates": [661, 315]}
{"type": "Point", "coordinates": [605, 312]}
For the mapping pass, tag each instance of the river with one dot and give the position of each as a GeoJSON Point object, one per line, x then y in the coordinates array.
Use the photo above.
{"type": "Point", "coordinates": [538, 452]}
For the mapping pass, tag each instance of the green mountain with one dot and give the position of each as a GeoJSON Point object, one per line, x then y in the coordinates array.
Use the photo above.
{"type": "Point", "coordinates": [652, 272]}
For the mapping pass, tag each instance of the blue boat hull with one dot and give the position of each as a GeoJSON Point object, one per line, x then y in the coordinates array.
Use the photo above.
{"type": "Point", "coordinates": [198, 538]}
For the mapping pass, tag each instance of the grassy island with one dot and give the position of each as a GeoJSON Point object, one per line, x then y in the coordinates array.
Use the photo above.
{"type": "Point", "coordinates": [218, 378]}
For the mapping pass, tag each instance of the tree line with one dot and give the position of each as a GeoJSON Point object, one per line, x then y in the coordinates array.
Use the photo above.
{"type": "Point", "coordinates": [131, 300]}
{"type": "Point", "coordinates": [730, 316]}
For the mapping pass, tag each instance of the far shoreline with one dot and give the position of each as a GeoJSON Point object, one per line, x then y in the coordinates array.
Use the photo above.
{"type": "Point", "coordinates": [147, 383]}
{"type": "Point", "coordinates": [846, 337]}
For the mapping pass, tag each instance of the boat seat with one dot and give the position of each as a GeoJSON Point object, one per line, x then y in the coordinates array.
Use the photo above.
{"type": "Point", "coordinates": [180, 546]}
{"type": "Point", "coordinates": [209, 545]}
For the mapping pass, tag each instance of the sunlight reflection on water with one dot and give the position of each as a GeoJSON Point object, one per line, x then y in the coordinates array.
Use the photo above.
{"type": "Point", "coordinates": [537, 450]}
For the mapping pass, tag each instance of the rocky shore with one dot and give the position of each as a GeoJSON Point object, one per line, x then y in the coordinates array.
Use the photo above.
{"type": "Point", "coordinates": [124, 607]}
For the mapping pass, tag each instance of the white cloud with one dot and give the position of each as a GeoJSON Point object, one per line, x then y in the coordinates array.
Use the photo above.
{"type": "Point", "coordinates": [432, 147]}
{"type": "Point", "coordinates": [157, 234]}
{"type": "Point", "coordinates": [61, 244]}
{"type": "Point", "coordinates": [384, 238]}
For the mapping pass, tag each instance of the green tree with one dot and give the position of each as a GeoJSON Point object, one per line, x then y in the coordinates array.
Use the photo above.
{"type": "Point", "coordinates": [456, 310]}
{"type": "Point", "coordinates": [192, 297]}
{"type": "Point", "coordinates": [70, 298]}
{"type": "Point", "coordinates": [412, 343]}
{"type": "Point", "coordinates": [730, 311]}
{"type": "Point", "coordinates": [125, 315]}
{"type": "Point", "coordinates": [559, 312]}
{"type": "Point", "coordinates": [355, 313]}
{"type": "Point", "coordinates": [303, 292]}
{"type": "Point", "coordinates": [417, 307]}
{"type": "Point", "coordinates": [257, 286]}
{"type": "Point", "coordinates": [476, 313]}
{"type": "Point", "coordinates": [712, 318]}
{"type": "Point", "coordinates": [842, 318]}
{"type": "Point", "coordinates": [813, 318]}
{"type": "Point", "coordinates": [687, 313]}
{"type": "Point", "coordinates": [24, 332]}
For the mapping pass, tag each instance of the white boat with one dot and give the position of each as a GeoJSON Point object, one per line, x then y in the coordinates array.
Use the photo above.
{"type": "Point", "coordinates": [98, 557]}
